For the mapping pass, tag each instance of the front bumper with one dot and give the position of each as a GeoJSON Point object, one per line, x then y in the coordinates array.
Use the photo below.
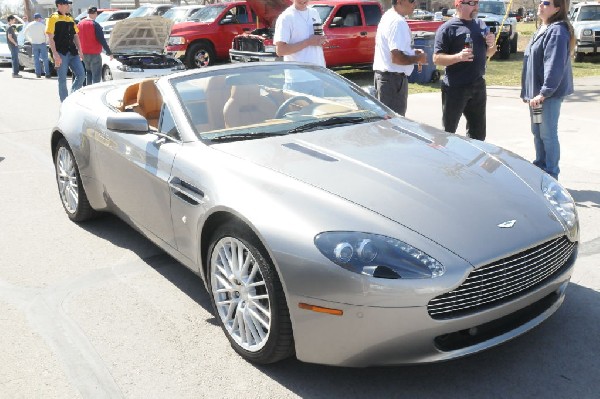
{"type": "Point", "coordinates": [376, 335]}
{"type": "Point", "coordinates": [246, 56]}
{"type": "Point", "coordinates": [587, 47]}
{"type": "Point", "coordinates": [146, 74]}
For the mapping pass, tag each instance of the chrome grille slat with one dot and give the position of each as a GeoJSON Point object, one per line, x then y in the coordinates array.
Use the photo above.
{"type": "Point", "coordinates": [499, 295]}
{"type": "Point", "coordinates": [557, 259]}
{"type": "Point", "coordinates": [503, 280]}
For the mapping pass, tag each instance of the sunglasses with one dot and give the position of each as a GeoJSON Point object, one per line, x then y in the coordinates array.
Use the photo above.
{"type": "Point", "coordinates": [471, 3]}
{"type": "Point", "coordinates": [545, 3]}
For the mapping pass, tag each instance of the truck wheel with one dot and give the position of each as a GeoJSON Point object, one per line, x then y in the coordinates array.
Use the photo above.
{"type": "Point", "coordinates": [435, 76]}
{"type": "Point", "coordinates": [200, 55]}
{"type": "Point", "coordinates": [505, 50]}
{"type": "Point", "coordinates": [579, 57]}
{"type": "Point", "coordinates": [515, 42]}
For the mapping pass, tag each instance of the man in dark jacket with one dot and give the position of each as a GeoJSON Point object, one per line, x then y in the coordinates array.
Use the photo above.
{"type": "Point", "coordinates": [92, 42]}
{"type": "Point", "coordinates": [11, 40]}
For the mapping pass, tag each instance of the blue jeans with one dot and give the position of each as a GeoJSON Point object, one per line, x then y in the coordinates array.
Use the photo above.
{"type": "Point", "coordinates": [73, 62]}
{"type": "Point", "coordinates": [545, 137]}
{"type": "Point", "coordinates": [93, 68]}
{"type": "Point", "coordinates": [40, 55]}
{"type": "Point", "coordinates": [14, 57]}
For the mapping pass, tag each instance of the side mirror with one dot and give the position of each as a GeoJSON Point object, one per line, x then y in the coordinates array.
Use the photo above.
{"type": "Point", "coordinates": [444, 12]}
{"type": "Point", "coordinates": [128, 122]}
{"type": "Point", "coordinates": [337, 22]}
{"type": "Point", "coordinates": [227, 20]}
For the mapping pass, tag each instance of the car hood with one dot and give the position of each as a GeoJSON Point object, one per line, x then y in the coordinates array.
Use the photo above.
{"type": "Point", "coordinates": [140, 34]}
{"type": "Point", "coordinates": [269, 10]}
{"type": "Point", "coordinates": [441, 186]}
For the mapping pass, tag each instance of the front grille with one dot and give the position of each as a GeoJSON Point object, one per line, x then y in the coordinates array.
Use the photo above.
{"type": "Point", "coordinates": [248, 44]}
{"type": "Point", "coordinates": [597, 36]}
{"type": "Point", "coordinates": [504, 280]}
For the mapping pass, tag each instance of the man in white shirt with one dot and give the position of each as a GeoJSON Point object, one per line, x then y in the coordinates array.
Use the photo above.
{"type": "Point", "coordinates": [35, 32]}
{"type": "Point", "coordinates": [394, 56]}
{"type": "Point", "coordinates": [295, 40]}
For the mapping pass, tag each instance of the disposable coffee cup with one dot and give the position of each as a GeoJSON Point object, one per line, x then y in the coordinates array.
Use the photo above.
{"type": "Point", "coordinates": [318, 29]}
{"type": "Point", "coordinates": [536, 114]}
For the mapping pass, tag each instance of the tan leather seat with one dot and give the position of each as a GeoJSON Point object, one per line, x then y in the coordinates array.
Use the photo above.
{"type": "Point", "coordinates": [130, 96]}
{"type": "Point", "coordinates": [149, 102]}
{"type": "Point", "coordinates": [246, 106]}
{"type": "Point", "coordinates": [218, 93]}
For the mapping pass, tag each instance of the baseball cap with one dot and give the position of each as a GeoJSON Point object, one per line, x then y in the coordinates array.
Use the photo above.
{"type": "Point", "coordinates": [92, 10]}
{"type": "Point", "coordinates": [37, 15]}
{"type": "Point", "coordinates": [57, 2]}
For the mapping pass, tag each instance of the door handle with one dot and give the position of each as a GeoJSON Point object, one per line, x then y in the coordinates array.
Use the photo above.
{"type": "Point", "coordinates": [363, 33]}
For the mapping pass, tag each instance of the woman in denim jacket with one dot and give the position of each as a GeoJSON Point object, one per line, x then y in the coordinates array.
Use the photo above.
{"type": "Point", "coordinates": [547, 78]}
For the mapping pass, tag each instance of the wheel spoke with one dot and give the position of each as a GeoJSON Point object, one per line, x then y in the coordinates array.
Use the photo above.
{"type": "Point", "coordinates": [257, 317]}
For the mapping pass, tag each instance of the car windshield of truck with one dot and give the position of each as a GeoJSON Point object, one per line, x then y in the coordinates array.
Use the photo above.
{"type": "Point", "coordinates": [323, 11]}
{"type": "Point", "coordinates": [589, 13]}
{"type": "Point", "coordinates": [142, 12]}
{"type": "Point", "coordinates": [261, 101]}
{"type": "Point", "coordinates": [494, 7]}
{"type": "Point", "coordinates": [104, 16]}
{"type": "Point", "coordinates": [207, 14]}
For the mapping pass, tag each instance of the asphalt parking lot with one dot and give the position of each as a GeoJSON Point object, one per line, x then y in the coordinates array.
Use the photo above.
{"type": "Point", "coordinates": [96, 310]}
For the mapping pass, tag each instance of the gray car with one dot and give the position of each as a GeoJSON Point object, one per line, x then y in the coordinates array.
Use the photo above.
{"type": "Point", "coordinates": [322, 224]}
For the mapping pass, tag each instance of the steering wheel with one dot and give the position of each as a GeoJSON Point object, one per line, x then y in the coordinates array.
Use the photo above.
{"type": "Point", "coordinates": [282, 110]}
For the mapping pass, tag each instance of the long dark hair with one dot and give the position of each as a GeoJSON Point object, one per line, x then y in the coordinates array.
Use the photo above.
{"type": "Point", "coordinates": [561, 16]}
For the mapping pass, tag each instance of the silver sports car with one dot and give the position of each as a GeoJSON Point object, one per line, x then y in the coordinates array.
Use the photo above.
{"type": "Point", "coordinates": [322, 224]}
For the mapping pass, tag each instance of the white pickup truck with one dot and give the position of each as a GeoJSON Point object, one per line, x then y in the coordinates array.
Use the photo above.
{"type": "Point", "coordinates": [585, 18]}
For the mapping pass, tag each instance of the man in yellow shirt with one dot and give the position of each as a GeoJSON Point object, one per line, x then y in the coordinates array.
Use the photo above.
{"type": "Point", "coordinates": [66, 49]}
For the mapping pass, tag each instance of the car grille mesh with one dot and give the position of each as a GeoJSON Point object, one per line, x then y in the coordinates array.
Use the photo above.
{"type": "Point", "coordinates": [248, 44]}
{"type": "Point", "coordinates": [503, 280]}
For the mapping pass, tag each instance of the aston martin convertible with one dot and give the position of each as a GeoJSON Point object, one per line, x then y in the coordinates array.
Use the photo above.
{"type": "Point", "coordinates": [322, 225]}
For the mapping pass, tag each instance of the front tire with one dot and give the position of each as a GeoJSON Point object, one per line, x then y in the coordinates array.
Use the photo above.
{"type": "Point", "coordinates": [247, 296]}
{"type": "Point", "coordinates": [71, 191]}
{"type": "Point", "coordinates": [579, 57]}
{"type": "Point", "coordinates": [514, 44]}
{"type": "Point", "coordinates": [106, 74]}
{"type": "Point", "coordinates": [505, 50]}
{"type": "Point", "coordinates": [200, 55]}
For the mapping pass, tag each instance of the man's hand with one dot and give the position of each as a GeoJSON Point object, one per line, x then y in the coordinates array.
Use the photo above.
{"type": "Point", "coordinates": [490, 39]}
{"type": "Point", "coordinates": [57, 59]}
{"type": "Point", "coordinates": [421, 56]}
{"type": "Point", "coordinates": [316, 40]}
{"type": "Point", "coordinates": [466, 55]}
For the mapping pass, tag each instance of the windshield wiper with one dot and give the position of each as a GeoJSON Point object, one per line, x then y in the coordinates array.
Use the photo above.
{"type": "Point", "coordinates": [336, 120]}
{"type": "Point", "coordinates": [245, 136]}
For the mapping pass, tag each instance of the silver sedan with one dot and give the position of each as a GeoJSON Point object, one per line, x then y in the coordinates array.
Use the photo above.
{"type": "Point", "coordinates": [322, 224]}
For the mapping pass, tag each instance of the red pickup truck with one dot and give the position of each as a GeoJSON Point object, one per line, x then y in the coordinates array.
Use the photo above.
{"type": "Point", "coordinates": [208, 36]}
{"type": "Point", "coordinates": [350, 27]}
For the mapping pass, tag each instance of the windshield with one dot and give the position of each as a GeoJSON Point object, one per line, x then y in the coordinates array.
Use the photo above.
{"type": "Point", "coordinates": [207, 14]}
{"type": "Point", "coordinates": [323, 11]}
{"type": "Point", "coordinates": [589, 13]}
{"type": "Point", "coordinates": [264, 101]}
{"type": "Point", "coordinates": [142, 12]}
{"type": "Point", "coordinates": [491, 7]}
{"type": "Point", "coordinates": [104, 16]}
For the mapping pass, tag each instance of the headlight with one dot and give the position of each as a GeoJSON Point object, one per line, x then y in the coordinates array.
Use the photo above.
{"type": "Point", "coordinates": [108, 29]}
{"type": "Point", "coordinates": [561, 202]}
{"type": "Point", "coordinates": [376, 255]}
{"type": "Point", "coordinates": [127, 68]}
{"type": "Point", "coordinates": [506, 28]}
{"type": "Point", "coordinates": [587, 32]}
{"type": "Point", "coordinates": [175, 40]}
{"type": "Point", "coordinates": [270, 49]}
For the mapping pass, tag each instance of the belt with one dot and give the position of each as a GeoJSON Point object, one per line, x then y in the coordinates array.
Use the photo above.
{"type": "Point", "coordinates": [390, 73]}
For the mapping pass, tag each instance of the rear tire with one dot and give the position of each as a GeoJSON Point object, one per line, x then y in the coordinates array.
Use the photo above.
{"type": "Point", "coordinates": [247, 296]}
{"type": "Point", "coordinates": [505, 50]}
{"type": "Point", "coordinates": [71, 191]}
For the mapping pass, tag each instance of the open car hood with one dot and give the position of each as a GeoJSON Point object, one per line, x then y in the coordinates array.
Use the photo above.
{"type": "Point", "coordinates": [140, 34]}
{"type": "Point", "coordinates": [269, 10]}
